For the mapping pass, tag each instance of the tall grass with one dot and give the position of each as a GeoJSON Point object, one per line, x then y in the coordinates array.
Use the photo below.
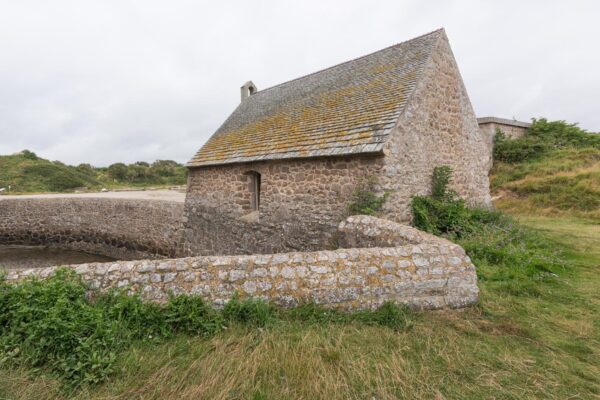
{"type": "Point", "coordinates": [566, 180]}
{"type": "Point", "coordinates": [62, 327]}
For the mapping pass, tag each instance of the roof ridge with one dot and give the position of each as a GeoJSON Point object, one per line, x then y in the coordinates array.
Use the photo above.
{"type": "Point", "coordinates": [319, 114]}
{"type": "Point", "coordinates": [425, 64]}
{"type": "Point", "coordinates": [348, 61]}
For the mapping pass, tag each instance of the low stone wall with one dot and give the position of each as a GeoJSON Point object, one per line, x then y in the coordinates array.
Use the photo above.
{"type": "Point", "coordinates": [125, 229]}
{"type": "Point", "coordinates": [367, 231]}
{"type": "Point", "coordinates": [429, 273]}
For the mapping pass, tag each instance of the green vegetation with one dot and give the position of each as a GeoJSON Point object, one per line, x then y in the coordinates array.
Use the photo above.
{"type": "Point", "coordinates": [26, 172]}
{"type": "Point", "coordinates": [510, 256]}
{"type": "Point", "coordinates": [444, 213]}
{"type": "Point", "coordinates": [364, 199]}
{"type": "Point", "coordinates": [542, 343]}
{"type": "Point", "coordinates": [542, 137]}
{"type": "Point", "coordinates": [534, 334]}
{"type": "Point", "coordinates": [53, 325]}
{"type": "Point", "coordinates": [562, 178]}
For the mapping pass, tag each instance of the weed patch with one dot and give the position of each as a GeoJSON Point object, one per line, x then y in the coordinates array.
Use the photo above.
{"type": "Point", "coordinates": [60, 326]}
{"type": "Point", "coordinates": [365, 201]}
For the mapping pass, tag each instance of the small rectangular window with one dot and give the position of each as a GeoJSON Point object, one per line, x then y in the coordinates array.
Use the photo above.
{"type": "Point", "coordinates": [254, 188]}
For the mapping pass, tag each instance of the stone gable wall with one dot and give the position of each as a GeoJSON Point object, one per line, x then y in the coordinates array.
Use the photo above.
{"type": "Point", "coordinates": [431, 273]}
{"type": "Point", "coordinates": [120, 228]}
{"type": "Point", "coordinates": [438, 127]}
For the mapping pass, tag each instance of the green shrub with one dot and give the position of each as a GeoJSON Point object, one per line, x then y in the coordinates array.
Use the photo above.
{"type": "Point", "coordinates": [561, 134]}
{"type": "Point", "coordinates": [503, 250]}
{"type": "Point", "coordinates": [364, 199]}
{"type": "Point", "coordinates": [193, 316]}
{"type": "Point", "coordinates": [55, 177]}
{"type": "Point", "coordinates": [54, 324]}
{"type": "Point", "coordinates": [519, 150]}
{"type": "Point", "coordinates": [29, 155]}
{"type": "Point", "coordinates": [51, 324]}
{"type": "Point", "coordinates": [118, 171]}
{"type": "Point", "coordinates": [439, 183]}
{"type": "Point", "coordinates": [444, 212]}
{"type": "Point", "coordinates": [542, 137]}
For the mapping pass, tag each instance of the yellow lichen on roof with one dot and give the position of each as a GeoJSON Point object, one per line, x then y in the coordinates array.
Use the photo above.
{"type": "Point", "coordinates": [346, 109]}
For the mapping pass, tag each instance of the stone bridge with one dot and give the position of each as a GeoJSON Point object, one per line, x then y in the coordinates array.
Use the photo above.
{"type": "Point", "coordinates": [123, 225]}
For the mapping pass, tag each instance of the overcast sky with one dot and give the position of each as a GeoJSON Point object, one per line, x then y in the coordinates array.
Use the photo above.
{"type": "Point", "coordinates": [107, 81]}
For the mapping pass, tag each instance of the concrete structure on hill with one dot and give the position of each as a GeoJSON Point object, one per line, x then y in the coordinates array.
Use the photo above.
{"type": "Point", "coordinates": [279, 174]}
{"type": "Point", "coordinates": [512, 128]}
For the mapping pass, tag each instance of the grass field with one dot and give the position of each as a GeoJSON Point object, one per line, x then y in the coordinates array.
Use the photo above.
{"type": "Point", "coordinates": [542, 345]}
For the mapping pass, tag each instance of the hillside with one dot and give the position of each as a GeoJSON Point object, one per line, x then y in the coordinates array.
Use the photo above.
{"type": "Point", "coordinates": [554, 170]}
{"type": "Point", "coordinates": [25, 172]}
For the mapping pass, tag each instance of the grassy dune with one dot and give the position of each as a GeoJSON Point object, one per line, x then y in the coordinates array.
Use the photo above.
{"type": "Point", "coordinates": [564, 183]}
{"type": "Point", "coordinates": [553, 170]}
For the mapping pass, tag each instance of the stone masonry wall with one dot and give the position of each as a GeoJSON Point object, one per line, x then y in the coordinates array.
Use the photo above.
{"type": "Point", "coordinates": [432, 274]}
{"type": "Point", "coordinates": [438, 127]}
{"type": "Point", "coordinates": [367, 231]}
{"type": "Point", "coordinates": [119, 228]}
{"type": "Point", "coordinates": [301, 204]}
{"type": "Point", "coordinates": [511, 131]}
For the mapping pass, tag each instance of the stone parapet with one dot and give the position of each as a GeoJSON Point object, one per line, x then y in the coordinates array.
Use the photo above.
{"type": "Point", "coordinates": [119, 228]}
{"type": "Point", "coordinates": [423, 276]}
{"type": "Point", "coordinates": [418, 269]}
{"type": "Point", "coordinates": [367, 231]}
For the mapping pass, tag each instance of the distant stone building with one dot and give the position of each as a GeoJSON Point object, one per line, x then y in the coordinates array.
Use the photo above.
{"type": "Point", "coordinates": [280, 172]}
{"type": "Point", "coordinates": [513, 129]}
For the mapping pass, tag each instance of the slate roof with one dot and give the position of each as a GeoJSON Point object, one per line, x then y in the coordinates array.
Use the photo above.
{"type": "Point", "coordinates": [346, 109]}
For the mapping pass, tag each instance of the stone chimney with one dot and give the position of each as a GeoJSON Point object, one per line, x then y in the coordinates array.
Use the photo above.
{"type": "Point", "coordinates": [248, 90]}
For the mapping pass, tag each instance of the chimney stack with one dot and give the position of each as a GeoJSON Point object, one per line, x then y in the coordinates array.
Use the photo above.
{"type": "Point", "coordinates": [248, 90]}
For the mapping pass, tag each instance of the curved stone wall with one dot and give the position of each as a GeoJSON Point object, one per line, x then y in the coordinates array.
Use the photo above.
{"type": "Point", "coordinates": [125, 229]}
{"type": "Point", "coordinates": [416, 269]}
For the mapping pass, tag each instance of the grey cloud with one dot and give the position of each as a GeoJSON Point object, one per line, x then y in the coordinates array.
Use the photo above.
{"type": "Point", "coordinates": [106, 81]}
